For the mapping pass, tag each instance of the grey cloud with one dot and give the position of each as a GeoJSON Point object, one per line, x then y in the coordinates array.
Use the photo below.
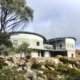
{"type": "Point", "coordinates": [56, 18]}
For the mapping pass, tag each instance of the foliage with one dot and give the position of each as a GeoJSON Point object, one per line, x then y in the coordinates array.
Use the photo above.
{"type": "Point", "coordinates": [1, 62]}
{"type": "Point", "coordinates": [4, 43]}
{"type": "Point", "coordinates": [51, 75]}
{"type": "Point", "coordinates": [64, 60]}
{"type": "Point", "coordinates": [14, 13]}
{"type": "Point", "coordinates": [69, 73]}
{"type": "Point", "coordinates": [36, 65]}
{"type": "Point", "coordinates": [49, 63]}
{"type": "Point", "coordinates": [4, 39]}
{"type": "Point", "coordinates": [23, 48]}
{"type": "Point", "coordinates": [28, 57]}
{"type": "Point", "coordinates": [11, 74]}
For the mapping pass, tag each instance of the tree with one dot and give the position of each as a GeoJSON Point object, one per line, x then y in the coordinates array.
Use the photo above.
{"type": "Point", "coordinates": [14, 14]}
{"type": "Point", "coordinates": [23, 48]}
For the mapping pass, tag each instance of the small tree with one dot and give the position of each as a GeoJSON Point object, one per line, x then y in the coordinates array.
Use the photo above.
{"type": "Point", "coordinates": [23, 48]}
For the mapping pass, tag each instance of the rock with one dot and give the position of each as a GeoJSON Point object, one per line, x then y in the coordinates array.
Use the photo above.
{"type": "Point", "coordinates": [70, 65]}
{"type": "Point", "coordinates": [51, 68]}
{"type": "Point", "coordinates": [30, 74]}
{"type": "Point", "coordinates": [27, 79]}
{"type": "Point", "coordinates": [42, 78]}
{"type": "Point", "coordinates": [43, 67]}
{"type": "Point", "coordinates": [39, 78]}
{"type": "Point", "coordinates": [41, 72]}
{"type": "Point", "coordinates": [19, 69]}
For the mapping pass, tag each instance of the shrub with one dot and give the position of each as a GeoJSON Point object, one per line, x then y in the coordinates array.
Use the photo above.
{"type": "Point", "coordinates": [1, 62]}
{"type": "Point", "coordinates": [28, 56]}
{"type": "Point", "coordinates": [36, 65]}
{"type": "Point", "coordinates": [10, 74]}
{"type": "Point", "coordinates": [64, 60]}
{"type": "Point", "coordinates": [49, 63]}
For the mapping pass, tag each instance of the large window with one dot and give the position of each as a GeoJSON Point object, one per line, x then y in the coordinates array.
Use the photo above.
{"type": "Point", "coordinates": [15, 42]}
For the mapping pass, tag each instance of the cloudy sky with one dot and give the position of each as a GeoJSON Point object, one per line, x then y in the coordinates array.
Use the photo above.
{"type": "Point", "coordinates": [56, 18]}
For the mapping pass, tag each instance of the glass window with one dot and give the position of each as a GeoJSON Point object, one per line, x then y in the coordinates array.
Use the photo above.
{"type": "Point", "coordinates": [38, 43]}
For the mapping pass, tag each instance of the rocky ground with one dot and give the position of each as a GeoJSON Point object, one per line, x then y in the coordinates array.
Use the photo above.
{"type": "Point", "coordinates": [58, 68]}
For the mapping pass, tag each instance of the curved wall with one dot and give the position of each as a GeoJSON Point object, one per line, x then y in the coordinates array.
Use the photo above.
{"type": "Point", "coordinates": [34, 40]}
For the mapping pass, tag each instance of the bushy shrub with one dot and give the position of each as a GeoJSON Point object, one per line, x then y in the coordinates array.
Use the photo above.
{"type": "Point", "coordinates": [64, 60]}
{"type": "Point", "coordinates": [1, 62]}
{"type": "Point", "coordinates": [49, 63]}
{"type": "Point", "coordinates": [36, 65]}
{"type": "Point", "coordinates": [28, 56]}
{"type": "Point", "coordinates": [10, 74]}
{"type": "Point", "coordinates": [51, 75]}
{"type": "Point", "coordinates": [69, 73]}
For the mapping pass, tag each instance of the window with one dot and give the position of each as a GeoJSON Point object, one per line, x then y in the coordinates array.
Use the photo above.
{"type": "Point", "coordinates": [15, 42]}
{"type": "Point", "coordinates": [38, 43]}
{"type": "Point", "coordinates": [60, 46]}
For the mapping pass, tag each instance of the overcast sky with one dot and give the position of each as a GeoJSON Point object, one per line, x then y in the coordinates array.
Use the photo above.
{"type": "Point", "coordinates": [56, 18]}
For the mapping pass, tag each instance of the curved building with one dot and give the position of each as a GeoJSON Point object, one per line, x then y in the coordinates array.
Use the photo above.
{"type": "Point", "coordinates": [35, 41]}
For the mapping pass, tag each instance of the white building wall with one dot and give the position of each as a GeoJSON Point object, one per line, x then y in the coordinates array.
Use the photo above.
{"type": "Point", "coordinates": [71, 54]}
{"type": "Point", "coordinates": [47, 54]}
{"type": "Point", "coordinates": [70, 44]}
{"type": "Point", "coordinates": [70, 47]}
{"type": "Point", "coordinates": [29, 38]}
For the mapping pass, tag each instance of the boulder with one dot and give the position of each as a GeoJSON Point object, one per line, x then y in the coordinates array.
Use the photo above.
{"type": "Point", "coordinates": [30, 74]}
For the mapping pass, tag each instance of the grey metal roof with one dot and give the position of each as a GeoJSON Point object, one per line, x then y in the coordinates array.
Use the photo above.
{"type": "Point", "coordinates": [60, 38]}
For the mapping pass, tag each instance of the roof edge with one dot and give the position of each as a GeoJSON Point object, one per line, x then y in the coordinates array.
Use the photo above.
{"type": "Point", "coordinates": [11, 33]}
{"type": "Point", "coordinates": [61, 38]}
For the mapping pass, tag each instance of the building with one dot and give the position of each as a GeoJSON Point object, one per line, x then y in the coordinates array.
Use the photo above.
{"type": "Point", "coordinates": [63, 46]}
{"type": "Point", "coordinates": [41, 47]}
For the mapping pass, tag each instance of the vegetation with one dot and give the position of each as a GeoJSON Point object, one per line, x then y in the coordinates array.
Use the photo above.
{"type": "Point", "coordinates": [23, 48]}
{"type": "Point", "coordinates": [14, 13]}
{"type": "Point", "coordinates": [11, 74]}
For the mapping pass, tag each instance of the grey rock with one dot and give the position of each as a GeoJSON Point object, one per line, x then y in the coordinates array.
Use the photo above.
{"type": "Point", "coordinates": [30, 74]}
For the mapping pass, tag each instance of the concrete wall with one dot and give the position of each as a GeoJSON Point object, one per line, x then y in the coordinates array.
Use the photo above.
{"type": "Point", "coordinates": [71, 54]}
{"type": "Point", "coordinates": [70, 44]}
{"type": "Point", "coordinates": [29, 38]}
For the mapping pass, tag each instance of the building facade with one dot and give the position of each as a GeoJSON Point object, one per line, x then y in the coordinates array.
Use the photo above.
{"type": "Point", "coordinates": [63, 46]}
{"type": "Point", "coordinates": [42, 47]}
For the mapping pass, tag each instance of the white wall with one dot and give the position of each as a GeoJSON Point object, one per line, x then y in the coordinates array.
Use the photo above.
{"type": "Point", "coordinates": [71, 54]}
{"type": "Point", "coordinates": [29, 38]}
{"type": "Point", "coordinates": [47, 54]}
{"type": "Point", "coordinates": [34, 54]}
{"type": "Point", "coordinates": [70, 44]}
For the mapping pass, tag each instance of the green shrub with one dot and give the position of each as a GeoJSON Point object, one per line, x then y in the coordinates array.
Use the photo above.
{"type": "Point", "coordinates": [49, 63]}
{"type": "Point", "coordinates": [51, 75]}
{"type": "Point", "coordinates": [69, 73]}
{"type": "Point", "coordinates": [36, 65]}
{"type": "Point", "coordinates": [28, 56]}
{"type": "Point", "coordinates": [10, 74]}
{"type": "Point", "coordinates": [64, 60]}
{"type": "Point", "coordinates": [1, 62]}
